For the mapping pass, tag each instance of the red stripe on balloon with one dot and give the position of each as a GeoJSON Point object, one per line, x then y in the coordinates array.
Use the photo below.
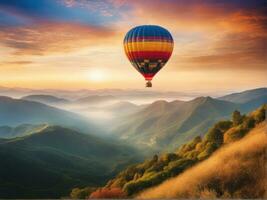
{"type": "Point", "coordinates": [148, 76]}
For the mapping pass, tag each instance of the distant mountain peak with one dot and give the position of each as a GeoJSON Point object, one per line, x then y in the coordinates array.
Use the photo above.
{"type": "Point", "coordinates": [246, 96]}
{"type": "Point", "coordinates": [43, 98]}
{"type": "Point", "coordinates": [159, 102]}
{"type": "Point", "coordinates": [5, 98]}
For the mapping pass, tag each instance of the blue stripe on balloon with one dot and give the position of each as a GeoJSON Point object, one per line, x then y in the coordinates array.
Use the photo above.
{"type": "Point", "coordinates": [147, 31]}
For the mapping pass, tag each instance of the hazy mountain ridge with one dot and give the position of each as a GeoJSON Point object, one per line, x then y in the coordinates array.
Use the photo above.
{"type": "Point", "coordinates": [245, 96]}
{"type": "Point", "coordinates": [163, 121]}
{"type": "Point", "coordinates": [95, 99]}
{"type": "Point", "coordinates": [123, 94]}
{"type": "Point", "coordinates": [20, 130]}
{"type": "Point", "coordinates": [14, 112]}
{"type": "Point", "coordinates": [61, 158]}
{"type": "Point", "coordinates": [46, 99]}
{"type": "Point", "coordinates": [172, 123]}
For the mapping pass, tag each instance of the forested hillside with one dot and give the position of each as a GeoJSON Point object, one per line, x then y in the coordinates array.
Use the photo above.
{"type": "Point", "coordinates": [152, 172]}
{"type": "Point", "coordinates": [236, 171]}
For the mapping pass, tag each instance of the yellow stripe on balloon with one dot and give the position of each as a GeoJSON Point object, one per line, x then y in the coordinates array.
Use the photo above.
{"type": "Point", "coordinates": [148, 46]}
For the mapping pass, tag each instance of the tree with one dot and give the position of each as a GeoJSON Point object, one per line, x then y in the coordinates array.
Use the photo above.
{"type": "Point", "coordinates": [215, 136]}
{"type": "Point", "coordinates": [237, 118]}
{"type": "Point", "coordinates": [261, 115]}
{"type": "Point", "coordinates": [224, 125]}
{"type": "Point", "coordinates": [83, 193]}
{"type": "Point", "coordinates": [249, 123]}
{"type": "Point", "coordinates": [209, 149]}
{"type": "Point", "coordinates": [155, 158]}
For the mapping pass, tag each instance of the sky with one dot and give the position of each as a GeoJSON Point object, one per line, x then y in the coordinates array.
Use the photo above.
{"type": "Point", "coordinates": [219, 45]}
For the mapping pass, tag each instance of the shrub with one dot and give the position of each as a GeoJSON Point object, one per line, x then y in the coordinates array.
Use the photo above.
{"type": "Point", "coordinates": [210, 147]}
{"type": "Point", "coordinates": [169, 157]}
{"type": "Point", "coordinates": [223, 125]}
{"type": "Point", "coordinates": [108, 193]}
{"type": "Point", "coordinates": [235, 133]}
{"type": "Point", "coordinates": [83, 193]}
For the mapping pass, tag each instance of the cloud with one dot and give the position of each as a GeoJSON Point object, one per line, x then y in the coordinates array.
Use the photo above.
{"type": "Point", "coordinates": [21, 62]}
{"type": "Point", "coordinates": [106, 8]}
{"type": "Point", "coordinates": [16, 63]}
{"type": "Point", "coordinates": [210, 34]}
{"type": "Point", "coordinates": [52, 37]}
{"type": "Point", "coordinates": [235, 51]}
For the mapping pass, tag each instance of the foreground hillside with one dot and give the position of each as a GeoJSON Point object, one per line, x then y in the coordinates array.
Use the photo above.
{"type": "Point", "coordinates": [235, 171]}
{"type": "Point", "coordinates": [158, 169]}
{"type": "Point", "coordinates": [48, 163]}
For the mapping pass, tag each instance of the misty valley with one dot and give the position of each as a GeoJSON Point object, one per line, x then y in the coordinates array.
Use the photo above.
{"type": "Point", "coordinates": [128, 143]}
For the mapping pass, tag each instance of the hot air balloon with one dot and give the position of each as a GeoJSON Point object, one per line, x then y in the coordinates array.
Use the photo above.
{"type": "Point", "coordinates": [148, 48]}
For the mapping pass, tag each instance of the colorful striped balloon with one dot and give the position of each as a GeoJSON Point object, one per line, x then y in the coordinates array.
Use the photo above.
{"type": "Point", "coordinates": [148, 48]}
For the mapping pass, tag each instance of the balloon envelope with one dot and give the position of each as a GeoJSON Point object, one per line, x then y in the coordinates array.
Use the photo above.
{"type": "Point", "coordinates": [148, 48]}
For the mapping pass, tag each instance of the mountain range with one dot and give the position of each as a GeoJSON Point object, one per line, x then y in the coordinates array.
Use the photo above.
{"type": "Point", "coordinates": [45, 151]}
{"type": "Point", "coordinates": [14, 112]}
{"type": "Point", "coordinates": [246, 96]}
{"type": "Point", "coordinates": [164, 125]}
{"type": "Point", "coordinates": [46, 99]}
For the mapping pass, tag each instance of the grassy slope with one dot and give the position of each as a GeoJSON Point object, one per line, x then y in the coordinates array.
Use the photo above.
{"type": "Point", "coordinates": [236, 170]}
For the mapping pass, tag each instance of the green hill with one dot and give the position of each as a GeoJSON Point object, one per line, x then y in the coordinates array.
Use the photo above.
{"type": "Point", "coordinates": [20, 130]}
{"type": "Point", "coordinates": [154, 171]}
{"type": "Point", "coordinates": [49, 163]}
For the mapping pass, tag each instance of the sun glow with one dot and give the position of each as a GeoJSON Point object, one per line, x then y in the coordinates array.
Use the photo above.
{"type": "Point", "coordinates": [96, 75]}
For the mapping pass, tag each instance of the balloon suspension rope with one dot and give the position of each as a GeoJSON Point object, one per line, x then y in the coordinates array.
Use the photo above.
{"type": "Point", "coordinates": [148, 84]}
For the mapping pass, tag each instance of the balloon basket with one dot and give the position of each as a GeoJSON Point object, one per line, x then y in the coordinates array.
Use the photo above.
{"type": "Point", "coordinates": [148, 84]}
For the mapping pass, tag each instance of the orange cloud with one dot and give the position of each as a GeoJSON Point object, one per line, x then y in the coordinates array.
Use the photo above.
{"type": "Point", "coordinates": [52, 37]}
{"type": "Point", "coordinates": [225, 36]}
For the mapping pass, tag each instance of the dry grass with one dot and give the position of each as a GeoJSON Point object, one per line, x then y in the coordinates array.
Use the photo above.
{"type": "Point", "coordinates": [237, 170]}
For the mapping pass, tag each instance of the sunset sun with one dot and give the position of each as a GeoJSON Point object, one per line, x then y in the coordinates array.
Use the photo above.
{"type": "Point", "coordinates": [96, 75]}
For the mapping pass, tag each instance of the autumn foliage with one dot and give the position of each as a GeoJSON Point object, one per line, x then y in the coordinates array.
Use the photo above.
{"type": "Point", "coordinates": [160, 168]}
{"type": "Point", "coordinates": [107, 193]}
